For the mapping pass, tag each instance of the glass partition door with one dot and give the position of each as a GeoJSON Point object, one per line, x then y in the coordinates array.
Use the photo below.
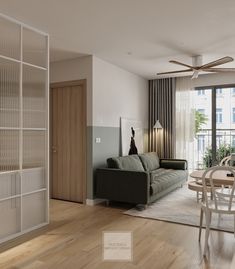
{"type": "Point", "coordinates": [23, 128]}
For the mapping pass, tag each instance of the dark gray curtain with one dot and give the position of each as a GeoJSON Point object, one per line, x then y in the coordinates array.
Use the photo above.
{"type": "Point", "coordinates": [162, 107]}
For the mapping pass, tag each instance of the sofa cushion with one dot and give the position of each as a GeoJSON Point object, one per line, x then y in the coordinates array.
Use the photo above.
{"type": "Point", "coordinates": [150, 161]}
{"type": "Point", "coordinates": [167, 178]}
{"type": "Point", "coordinates": [131, 162]}
{"type": "Point", "coordinates": [156, 173]}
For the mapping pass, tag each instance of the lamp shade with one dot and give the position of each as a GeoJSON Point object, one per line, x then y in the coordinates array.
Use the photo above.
{"type": "Point", "coordinates": [157, 125]}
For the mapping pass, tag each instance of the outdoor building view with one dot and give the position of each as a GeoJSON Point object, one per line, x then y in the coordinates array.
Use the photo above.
{"type": "Point", "coordinates": [221, 108]}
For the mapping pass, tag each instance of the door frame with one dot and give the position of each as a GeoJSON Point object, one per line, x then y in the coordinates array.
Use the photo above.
{"type": "Point", "coordinates": [62, 84]}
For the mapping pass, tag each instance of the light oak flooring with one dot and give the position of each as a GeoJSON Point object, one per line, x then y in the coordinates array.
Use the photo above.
{"type": "Point", "coordinates": [74, 240]}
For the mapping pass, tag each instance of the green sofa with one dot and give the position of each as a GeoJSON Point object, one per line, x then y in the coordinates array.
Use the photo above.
{"type": "Point", "coordinates": [139, 179]}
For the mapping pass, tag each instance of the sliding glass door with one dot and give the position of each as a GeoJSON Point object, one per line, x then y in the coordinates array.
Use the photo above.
{"type": "Point", "coordinates": [225, 122]}
{"type": "Point", "coordinates": [215, 125]}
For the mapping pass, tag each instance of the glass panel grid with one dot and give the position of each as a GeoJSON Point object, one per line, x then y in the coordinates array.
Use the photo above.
{"type": "Point", "coordinates": [10, 220]}
{"type": "Point", "coordinates": [34, 48]}
{"type": "Point", "coordinates": [34, 97]}
{"type": "Point", "coordinates": [10, 185]}
{"type": "Point", "coordinates": [9, 153]}
{"type": "Point", "coordinates": [10, 39]}
{"type": "Point", "coordinates": [33, 179]}
{"type": "Point", "coordinates": [34, 144]}
{"type": "Point", "coordinates": [34, 209]}
{"type": "Point", "coordinates": [23, 105]}
{"type": "Point", "coordinates": [9, 93]}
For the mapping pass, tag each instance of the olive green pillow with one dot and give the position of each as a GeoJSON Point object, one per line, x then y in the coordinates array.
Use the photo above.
{"type": "Point", "coordinates": [150, 161]}
{"type": "Point", "coordinates": [131, 162]}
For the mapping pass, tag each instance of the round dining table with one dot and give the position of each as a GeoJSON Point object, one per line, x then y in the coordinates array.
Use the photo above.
{"type": "Point", "coordinates": [219, 177]}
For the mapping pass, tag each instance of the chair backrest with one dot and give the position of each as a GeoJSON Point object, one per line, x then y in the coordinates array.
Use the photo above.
{"type": "Point", "coordinates": [225, 161]}
{"type": "Point", "coordinates": [228, 161]}
{"type": "Point", "coordinates": [208, 181]}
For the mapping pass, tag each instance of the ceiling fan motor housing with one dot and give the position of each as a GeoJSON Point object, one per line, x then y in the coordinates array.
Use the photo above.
{"type": "Point", "coordinates": [196, 60]}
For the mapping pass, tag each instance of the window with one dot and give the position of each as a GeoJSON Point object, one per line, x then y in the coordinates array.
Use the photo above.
{"type": "Point", "coordinates": [219, 140]}
{"type": "Point", "coordinates": [233, 115]}
{"type": "Point", "coordinates": [219, 91]}
{"type": "Point", "coordinates": [218, 107]}
{"type": "Point", "coordinates": [201, 110]}
{"type": "Point", "coordinates": [219, 115]}
{"type": "Point", "coordinates": [233, 141]}
{"type": "Point", "coordinates": [201, 143]}
{"type": "Point", "coordinates": [201, 92]}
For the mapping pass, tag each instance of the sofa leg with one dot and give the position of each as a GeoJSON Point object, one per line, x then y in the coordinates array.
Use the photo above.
{"type": "Point", "coordinates": [107, 202]}
{"type": "Point", "coordinates": [141, 207]}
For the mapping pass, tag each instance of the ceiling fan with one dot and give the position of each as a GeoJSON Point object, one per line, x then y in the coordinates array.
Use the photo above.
{"type": "Point", "coordinates": [197, 66]}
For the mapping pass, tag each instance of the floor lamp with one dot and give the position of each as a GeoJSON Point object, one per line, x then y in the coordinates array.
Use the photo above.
{"type": "Point", "coordinates": [157, 126]}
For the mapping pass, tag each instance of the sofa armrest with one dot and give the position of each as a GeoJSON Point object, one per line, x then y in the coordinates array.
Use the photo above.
{"type": "Point", "coordinates": [177, 164]}
{"type": "Point", "coordinates": [122, 185]}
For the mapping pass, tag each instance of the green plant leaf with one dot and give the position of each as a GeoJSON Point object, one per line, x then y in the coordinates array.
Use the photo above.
{"type": "Point", "coordinates": [200, 120]}
{"type": "Point", "coordinates": [224, 150]}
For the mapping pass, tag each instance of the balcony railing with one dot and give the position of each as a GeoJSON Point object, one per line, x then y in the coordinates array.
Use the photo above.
{"type": "Point", "coordinates": [203, 142]}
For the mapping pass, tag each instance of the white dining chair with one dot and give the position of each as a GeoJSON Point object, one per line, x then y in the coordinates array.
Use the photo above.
{"type": "Point", "coordinates": [223, 199]}
{"type": "Point", "coordinates": [228, 160]}
{"type": "Point", "coordinates": [225, 161]}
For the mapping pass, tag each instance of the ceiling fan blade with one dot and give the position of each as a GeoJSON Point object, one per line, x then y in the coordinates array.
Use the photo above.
{"type": "Point", "coordinates": [179, 63]}
{"type": "Point", "coordinates": [175, 72]}
{"type": "Point", "coordinates": [218, 69]}
{"type": "Point", "coordinates": [195, 74]}
{"type": "Point", "coordinates": [223, 60]}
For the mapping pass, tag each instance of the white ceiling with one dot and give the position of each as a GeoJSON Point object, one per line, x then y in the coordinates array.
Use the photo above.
{"type": "Point", "coordinates": [138, 35]}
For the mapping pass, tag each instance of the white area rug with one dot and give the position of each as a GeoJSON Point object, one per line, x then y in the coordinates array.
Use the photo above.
{"type": "Point", "coordinates": [180, 206]}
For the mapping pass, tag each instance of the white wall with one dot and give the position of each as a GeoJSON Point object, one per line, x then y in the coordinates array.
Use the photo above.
{"type": "Point", "coordinates": [75, 69]}
{"type": "Point", "coordinates": [111, 93]}
{"type": "Point", "coordinates": [214, 79]}
{"type": "Point", "coordinates": [117, 93]}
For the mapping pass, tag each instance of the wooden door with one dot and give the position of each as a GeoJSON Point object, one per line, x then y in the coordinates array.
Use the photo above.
{"type": "Point", "coordinates": [68, 142]}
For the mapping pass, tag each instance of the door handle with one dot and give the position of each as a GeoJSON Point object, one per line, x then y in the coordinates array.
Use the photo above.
{"type": "Point", "coordinates": [54, 149]}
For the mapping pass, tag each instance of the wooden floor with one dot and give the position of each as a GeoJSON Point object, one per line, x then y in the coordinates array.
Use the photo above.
{"type": "Point", "coordinates": [74, 240]}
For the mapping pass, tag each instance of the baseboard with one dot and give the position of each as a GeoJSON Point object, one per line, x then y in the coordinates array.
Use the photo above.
{"type": "Point", "coordinates": [92, 202]}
